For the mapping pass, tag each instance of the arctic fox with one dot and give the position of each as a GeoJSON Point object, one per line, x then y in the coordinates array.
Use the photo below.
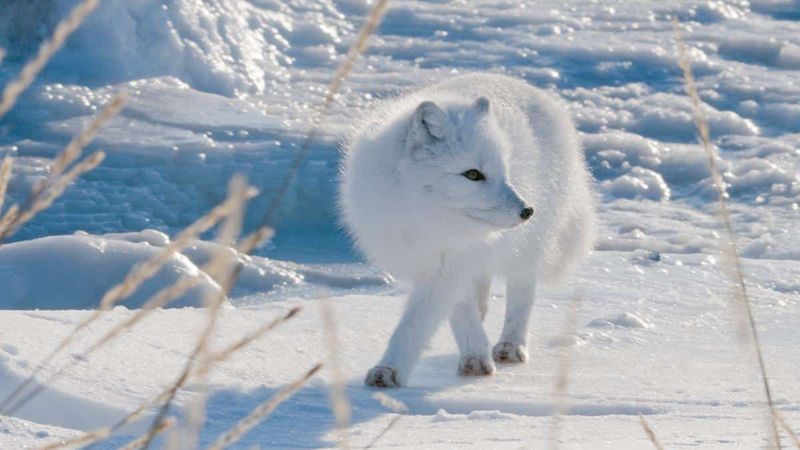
{"type": "Point", "coordinates": [475, 177]}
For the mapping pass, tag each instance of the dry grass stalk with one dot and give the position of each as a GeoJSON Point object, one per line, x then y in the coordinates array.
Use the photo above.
{"type": "Point", "coordinates": [169, 395]}
{"type": "Point", "coordinates": [215, 358]}
{"type": "Point", "coordinates": [228, 234]}
{"type": "Point", "coordinates": [159, 300]}
{"type": "Point", "coordinates": [225, 272]}
{"type": "Point", "coordinates": [392, 404]}
{"type": "Point", "coordinates": [44, 193]}
{"type": "Point", "coordinates": [568, 336]}
{"type": "Point", "coordinates": [342, 71]}
{"type": "Point", "coordinates": [650, 433]}
{"type": "Point", "coordinates": [48, 48]}
{"type": "Point", "coordinates": [261, 412]}
{"type": "Point", "coordinates": [46, 198]}
{"type": "Point", "coordinates": [82, 440]}
{"type": "Point", "coordinates": [5, 177]}
{"type": "Point", "coordinates": [138, 275]}
{"type": "Point", "coordinates": [367, 30]}
{"type": "Point", "coordinates": [74, 149]}
{"type": "Point", "coordinates": [144, 271]}
{"type": "Point", "coordinates": [339, 402]}
{"type": "Point", "coordinates": [219, 357]}
{"type": "Point", "coordinates": [169, 293]}
{"type": "Point", "coordinates": [137, 443]}
{"type": "Point", "coordinates": [789, 431]}
{"type": "Point", "coordinates": [731, 263]}
{"type": "Point", "coordinates": [237, 346]}
{"type": "Point", "coordinates": [255, 239]}
{"type": "Point", "coordinates": [10, 215]}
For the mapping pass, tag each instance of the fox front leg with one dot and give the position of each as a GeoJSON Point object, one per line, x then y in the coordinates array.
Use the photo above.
{"type": "Point", "coordinates": [428, 305]}
{"type": "Point", "coordinates": [466, 320]}
{"type": "Point", "coordinates": [512, 347]}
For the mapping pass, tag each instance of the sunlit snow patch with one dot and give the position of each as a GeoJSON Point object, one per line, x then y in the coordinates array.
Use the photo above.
{"type": "Point", "coordinates": [67, 272]}
{"type": "Point", "coordinates": [622, 320]}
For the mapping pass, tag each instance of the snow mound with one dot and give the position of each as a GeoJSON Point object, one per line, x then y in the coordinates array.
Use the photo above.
{"type": "Point", "coordinates": [622, 320]}
{"type": "Point", "coordinates": [638, 183]}
{"type": "Point", "coordinates": [226, 47]}
{"type": "Point", "coordinates": [73, 272]}
{"type": "Point", "coordinates": [259, 275]}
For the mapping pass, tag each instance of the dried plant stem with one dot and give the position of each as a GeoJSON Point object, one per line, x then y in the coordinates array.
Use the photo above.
{"type": "Point", "coordinates": [339, 402]}
{"type": "Point", "coordinates": [45, 192]}
{"type": "Point", "coordinates": [342, 71]}
{"type": "Point", "coordinates": [63, 30]}
{"type": "Point", "coordinates": [143, 271]}
{"type": "Point", "coordinates": [383, 432]}
{"type": "Point", "coordinates": [84, 439]}
{"type": "Point", "coordinates": [568, 334]}
{"type": "Point", "coordinates": [788, 429]}
{"type": "Point", "coordinates": [650, 433]}
{"type": "Point", "coordinates": [167, 294]}
{"type": "Point", "coordinates": [393, 404]}
{"type": "Point", "coordinates": [367, 30]}
{"type": "Point", "coordinates": [215, 358]}
{"type": "Point", "coordinates": [138, 275]}
{"type": "Point", "coordinates": [5, 177]}
{"type": "Point", "coordinates": [731, 262]}
{"type": "Point", "coordinates": [219, 357]}
{"type": "Point", "coordinates": [226, 353]}
{"type": "Point", "coordinates": [255, 239]}
{"type": "Point", "coordinates": [226, 274]}
{"type": "Point", "coordinates": [163, 426]}
{"type": "Point", "coordinates": [45, 199]}
{"type": "Point", "coordinates": [8, 217]}
{"type": "Point", "coordinates": [75, 147]}
{"type": "Point", "coordinates": [261, 412]}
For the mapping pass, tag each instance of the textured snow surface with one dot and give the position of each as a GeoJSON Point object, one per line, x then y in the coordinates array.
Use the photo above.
{"type": "Point", "coordinates": [684, 370]}
{"type": "Point", "coordinates": [225, 86]}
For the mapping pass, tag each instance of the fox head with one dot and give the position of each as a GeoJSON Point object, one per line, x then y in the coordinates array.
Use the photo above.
{"type": "Point", "coordinates": [456, 166]}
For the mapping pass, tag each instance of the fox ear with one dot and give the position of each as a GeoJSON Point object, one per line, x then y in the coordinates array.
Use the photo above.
{"type": "Point", "coordinates": [482, 105]}
{"type": "Point", "coordinates": [429, 123]}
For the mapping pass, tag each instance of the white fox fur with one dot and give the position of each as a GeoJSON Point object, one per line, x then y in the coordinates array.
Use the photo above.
{"type": "Point", "coordinates": [413, 207]}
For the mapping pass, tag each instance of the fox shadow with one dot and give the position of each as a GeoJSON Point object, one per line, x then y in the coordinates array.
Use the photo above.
{"type": "Point", "coordinates": [306, 419]}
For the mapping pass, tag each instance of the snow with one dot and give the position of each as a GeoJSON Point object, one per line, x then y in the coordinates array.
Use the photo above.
{"type": "Point", "coordinates": [684, 372]}
{"type": "Point", "coordinates": [225, 86]}
{"type": "Point", "coordinates": [74, 271]}
{"type": "Point", "coordinates": [63, 272]}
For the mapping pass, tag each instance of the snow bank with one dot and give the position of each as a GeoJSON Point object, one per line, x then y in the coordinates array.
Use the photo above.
{"type": "Point", "coordinates": [73, 272]}
{"type": "Point", "coordinates": [227, 47]}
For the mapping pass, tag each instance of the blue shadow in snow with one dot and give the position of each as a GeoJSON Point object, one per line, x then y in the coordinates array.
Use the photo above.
{"type": "Point", "coordinates": [306, 419]}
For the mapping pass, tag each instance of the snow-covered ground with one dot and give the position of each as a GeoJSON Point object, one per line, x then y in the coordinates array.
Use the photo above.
{"type": "Point", "coordinates": [226, 86]}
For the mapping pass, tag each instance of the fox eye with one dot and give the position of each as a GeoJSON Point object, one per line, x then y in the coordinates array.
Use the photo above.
{"type": "Point", "coordinates": [474, 175]}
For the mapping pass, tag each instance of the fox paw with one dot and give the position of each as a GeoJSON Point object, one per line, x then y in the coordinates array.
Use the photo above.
{"type": "Point", "coordinates": [509, 352]}
{"type": "Point", "coordinates": [383, 377]}
{"type": "Point", "coordinates": [474, 365]}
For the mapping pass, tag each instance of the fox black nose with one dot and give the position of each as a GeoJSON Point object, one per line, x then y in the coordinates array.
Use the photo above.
{"type": "Point", "coordinates": [526, 213]}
